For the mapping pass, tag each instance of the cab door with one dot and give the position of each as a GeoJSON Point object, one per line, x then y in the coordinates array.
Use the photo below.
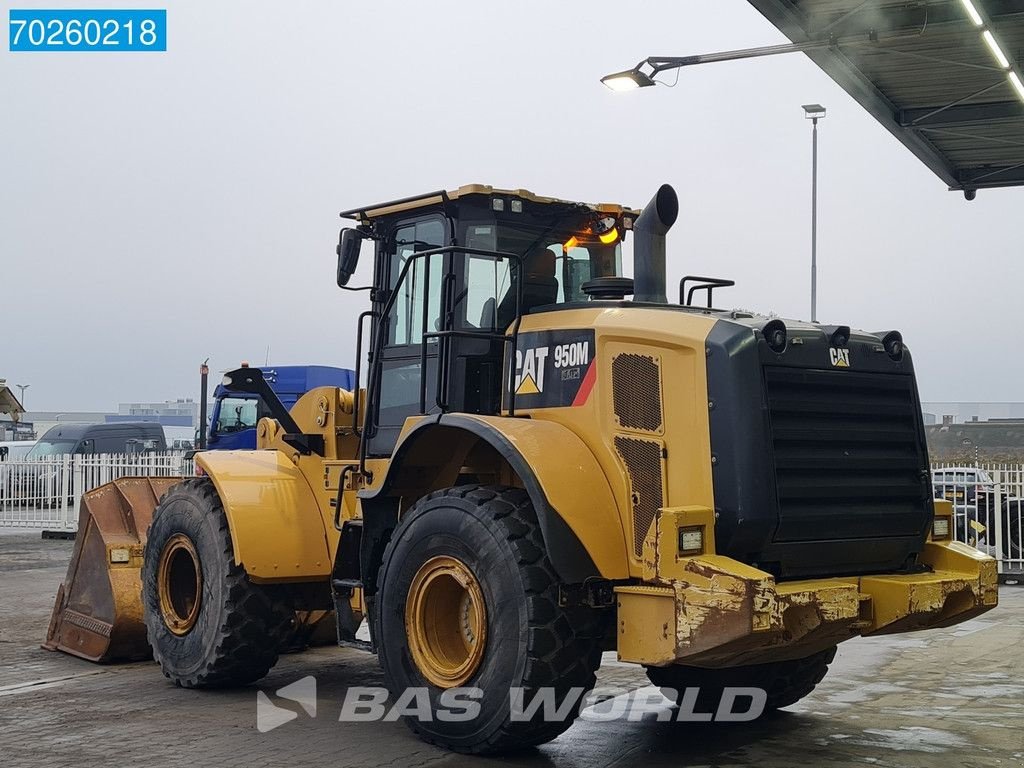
{"type": "Point", "coordinates": [415, 284]}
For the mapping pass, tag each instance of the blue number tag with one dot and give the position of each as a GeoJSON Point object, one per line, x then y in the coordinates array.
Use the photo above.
{"type": "Point", "coordinates": [87, 30]}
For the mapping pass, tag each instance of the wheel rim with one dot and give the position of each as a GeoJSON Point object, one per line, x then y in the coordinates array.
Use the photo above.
{"type": "Point", "coordinates": [446, 622]}
{"type": "Point", "coordinates": [180, 583]}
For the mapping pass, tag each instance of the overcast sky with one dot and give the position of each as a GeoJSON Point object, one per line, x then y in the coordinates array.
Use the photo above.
{"type": "Point", "coordinates": [157, 209]}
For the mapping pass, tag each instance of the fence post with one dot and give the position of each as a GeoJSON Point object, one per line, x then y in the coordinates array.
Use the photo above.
{"type": "Point", "coordinates": [996, 517]}
{"type": "Point", "coordinates": [77, 474]}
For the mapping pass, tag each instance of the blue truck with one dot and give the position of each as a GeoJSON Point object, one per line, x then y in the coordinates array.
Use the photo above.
{"type": "Point", "coordinates": [235, 414]}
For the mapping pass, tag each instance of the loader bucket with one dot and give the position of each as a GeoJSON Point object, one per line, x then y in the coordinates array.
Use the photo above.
{"type": "Point", "coordinates": [98, 612]}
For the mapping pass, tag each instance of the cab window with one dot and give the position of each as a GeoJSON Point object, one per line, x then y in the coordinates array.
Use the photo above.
{"type": "Point", "coordinates": [422, 281]}
{"type": "Point", "coordinates": [557, 260]}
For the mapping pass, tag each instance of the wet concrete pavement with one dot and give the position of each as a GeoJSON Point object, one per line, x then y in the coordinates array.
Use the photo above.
{"type": "Point", "coordinates": [946, 697]}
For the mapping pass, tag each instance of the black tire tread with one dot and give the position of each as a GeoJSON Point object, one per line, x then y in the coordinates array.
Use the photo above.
{"type": "Point", "coordinates": [252, 625]}
{"type": "Point", "coordinates": [557, 655]}
{"type": "Point", "coordinates": [785, 682]}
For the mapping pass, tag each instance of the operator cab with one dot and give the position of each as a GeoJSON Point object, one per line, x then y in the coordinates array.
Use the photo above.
{"type": "Point", "coordinates": [453, 272]}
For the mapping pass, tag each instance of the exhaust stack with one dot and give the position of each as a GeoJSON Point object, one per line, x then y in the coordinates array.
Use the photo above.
{"type": "Point", "coordinates": [649, 231]}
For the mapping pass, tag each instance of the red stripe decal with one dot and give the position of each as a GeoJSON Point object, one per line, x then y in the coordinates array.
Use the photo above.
{"type": "Point", "coordinates": [586, 385]}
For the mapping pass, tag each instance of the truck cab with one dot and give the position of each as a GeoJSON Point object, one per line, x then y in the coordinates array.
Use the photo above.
{"type": "Point", "coordinates": [235, 414]}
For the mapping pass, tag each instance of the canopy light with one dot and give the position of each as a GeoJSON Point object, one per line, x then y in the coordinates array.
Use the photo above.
{"type": "Point", "coordinates": [979, 19]}
{"type": "Point", "coordinates": [571, 243]}
{"type": "Point", "coordinates": [973, 13]}
{"type": "Point", "coordinates": [993, 46]}
{"type": "Point", "coordinates": [627, 80]}
{"type": "Point", "coordinates": [1017, 84]}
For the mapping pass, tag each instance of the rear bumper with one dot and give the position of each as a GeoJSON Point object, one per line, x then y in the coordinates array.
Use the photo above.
{"type": "Point", "coordinates": [712, 610]}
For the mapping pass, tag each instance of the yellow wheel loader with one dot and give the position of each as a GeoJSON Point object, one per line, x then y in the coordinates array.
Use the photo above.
{"type": "Point", "coordinates": [550, 460]}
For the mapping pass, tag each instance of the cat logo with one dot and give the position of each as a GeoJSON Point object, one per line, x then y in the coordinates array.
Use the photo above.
{"type": "Point", "coordinates": [551, 369]}
{"type": "Point", "coordinates": [840, 357]}
{"type": "Point", "coordinates": [530, 370]}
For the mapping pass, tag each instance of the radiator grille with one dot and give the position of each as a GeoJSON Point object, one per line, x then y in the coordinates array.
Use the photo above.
{"type": "Point", "coordinates": [848, 454]}
{"type": "Point", "coordinates": [643, 460]}
{"type": "Point", "coordinates": [636, 392]}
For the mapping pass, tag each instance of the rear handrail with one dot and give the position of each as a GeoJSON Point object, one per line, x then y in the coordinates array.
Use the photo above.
{"type": "Point", "coordinates": [703, 284]}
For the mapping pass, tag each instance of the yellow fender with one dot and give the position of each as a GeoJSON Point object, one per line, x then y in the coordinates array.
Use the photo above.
{"type": "Point", "coordinates": [276, 528]}
{"type": "Point", "coordinates": [578, 516]}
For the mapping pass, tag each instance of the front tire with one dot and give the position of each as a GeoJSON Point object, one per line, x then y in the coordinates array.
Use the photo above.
{"type": "Point", "coordinates": [784, 682]}
{"type": "Point", "coordinates": [469, 600]}
{"type": "Point", "coordinates": [208, 625]}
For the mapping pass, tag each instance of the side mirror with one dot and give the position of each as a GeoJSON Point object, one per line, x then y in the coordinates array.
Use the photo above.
{"type": "Point", "coordinates": [349, 243]}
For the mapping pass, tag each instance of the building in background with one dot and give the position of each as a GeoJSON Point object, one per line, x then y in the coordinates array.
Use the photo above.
{"type": "Point", "coordinates": [170, 413]}
{"type": "Point", "coordinates": [962, 413]}
{"type": "Point", "coordinates": [178, 418]}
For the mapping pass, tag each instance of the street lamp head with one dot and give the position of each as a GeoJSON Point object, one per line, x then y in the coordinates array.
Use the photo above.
{"type": "Point", "coordinates": [814, 111]}
{"type": "Point", "coordinates": [627, 80]}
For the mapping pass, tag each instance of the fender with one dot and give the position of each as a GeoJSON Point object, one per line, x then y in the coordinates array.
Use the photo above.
{"type": "Point", "coordinates": [276, 528]}
{"type": "Point", "coordinates": [575, 507]}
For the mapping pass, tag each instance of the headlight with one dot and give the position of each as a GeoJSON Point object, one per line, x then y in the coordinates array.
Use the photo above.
{"type": "Point", "coordinates": [940, 528]}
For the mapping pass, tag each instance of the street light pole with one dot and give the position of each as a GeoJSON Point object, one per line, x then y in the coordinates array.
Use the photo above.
{"type": "Point", "coordinates": [814, 221]}
{"type": "Point", "coordinates": [814, 112]}
{"type": "Point", "coordinates": [21, 397]}
{"type": "Point", "coordinates": [204, 376]}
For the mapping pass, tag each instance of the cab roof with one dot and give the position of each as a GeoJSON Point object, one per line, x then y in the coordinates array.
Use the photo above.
{"type": "Point", "coordinates": [377, 210]}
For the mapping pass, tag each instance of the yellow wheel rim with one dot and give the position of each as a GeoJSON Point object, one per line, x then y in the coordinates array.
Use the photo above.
{"type": "Point", "coordinates": [180, 584]}
{"type": "Point", "coordinates": [446, 622]}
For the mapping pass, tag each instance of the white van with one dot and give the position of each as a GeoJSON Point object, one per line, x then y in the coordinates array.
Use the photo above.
{"type": "Point", "coordinates": [16, 449]}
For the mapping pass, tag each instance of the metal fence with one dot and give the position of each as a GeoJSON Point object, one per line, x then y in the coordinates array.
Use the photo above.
{"type": "Point", "coordinates": [988, 508]}
{"type": "Point", "coordinates": [45, 492]}
{"type": "Point", "coordinates": [988, 499]}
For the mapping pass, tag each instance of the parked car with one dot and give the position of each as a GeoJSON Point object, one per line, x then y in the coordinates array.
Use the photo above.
{"type": "Point", "coordinates": [15, 450]}
{"type": "Point", "coordinates": [122, 437]}
{"type": "Point", "coordinates": [964, 486]}
{"type": "Point", "coordinates": [11, 451]}
{"type": "Point", "coordinates": [44, 484]}
{"type": "Point", "coordinates": [972, 493]}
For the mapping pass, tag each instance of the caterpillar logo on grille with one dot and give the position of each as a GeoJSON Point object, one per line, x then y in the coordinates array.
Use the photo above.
{"type": "Point", "coordinates": [636, 392]}
{"type": "Point", "coordinates": [643, 460]}
{"type": "Point", "coordinates": [839, 357]}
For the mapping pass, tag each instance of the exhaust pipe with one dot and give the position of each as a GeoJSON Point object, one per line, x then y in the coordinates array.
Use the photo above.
{"type": "Point", "coordinates": [649, 231]}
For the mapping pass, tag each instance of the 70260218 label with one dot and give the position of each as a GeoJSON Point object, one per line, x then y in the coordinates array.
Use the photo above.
{"type": "Point", "coordinates": [79, 30]}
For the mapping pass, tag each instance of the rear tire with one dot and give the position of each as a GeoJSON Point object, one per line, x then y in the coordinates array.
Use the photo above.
{"type": "Point", "coordinates": [515, 633]}
{"type": "Point", "coordinates": [208, 625]}
{"type": "Point", "coordinates": [785, 682]}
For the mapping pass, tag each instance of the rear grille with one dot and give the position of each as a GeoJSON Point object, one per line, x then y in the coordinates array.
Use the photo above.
{"type": "Point", "coordinates": [848, 453]}
{"type": "Point", "coordinates": [643, 460]}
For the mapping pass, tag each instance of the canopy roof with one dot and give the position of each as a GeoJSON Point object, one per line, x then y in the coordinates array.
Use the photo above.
{"type": "Point", "coordinates": [8, 402]}
{"type": "Point", "coordinates": [926, 73]}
